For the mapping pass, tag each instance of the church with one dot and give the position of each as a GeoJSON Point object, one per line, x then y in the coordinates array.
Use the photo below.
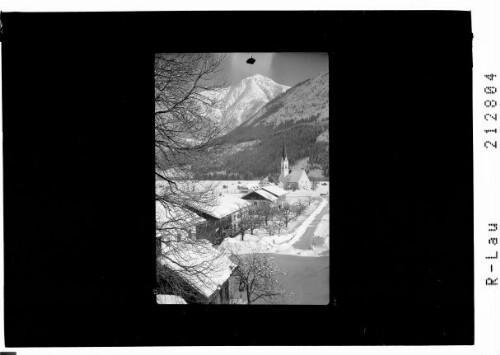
{"type": "Point", "coordinates": [292, 179]}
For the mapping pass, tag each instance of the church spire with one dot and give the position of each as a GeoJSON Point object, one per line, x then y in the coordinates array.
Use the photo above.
{"type": "Point", "coordinates": [283, 153]}
{"type": "Point", "coordinates": [284, 164]}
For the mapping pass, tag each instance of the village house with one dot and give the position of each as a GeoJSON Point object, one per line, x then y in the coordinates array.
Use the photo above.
{"type": "Point", "coordinates": [278, 192]}
{"type": "Point", "coordinates": [268, 180]}
{"type": "Point", "coordinates": [268, 195]}
{"type": "Point", "coordinates": [203, 272]}
{"type": "Point", "coordinates": [296, 179]}
{"type": "Point", "coordinates": [248, 187]}
{"type": "Point", "coordinates": [260, 197]}
{"type": "Point", "coordinates": [176, 222]}
{"type": "Point", "coordinates": [221, 220]}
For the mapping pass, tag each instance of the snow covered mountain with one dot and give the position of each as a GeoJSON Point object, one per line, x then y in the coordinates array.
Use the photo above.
{"type": "Point", "coordinates": [304, 101]}
{"type": "Point", "coordinates": [241, 101]}
{"type": "Point", "coordinates": [298, 117]}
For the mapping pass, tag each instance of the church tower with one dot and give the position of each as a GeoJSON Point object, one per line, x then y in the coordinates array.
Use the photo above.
{"type": "Point", "coordinates": [284, 162]}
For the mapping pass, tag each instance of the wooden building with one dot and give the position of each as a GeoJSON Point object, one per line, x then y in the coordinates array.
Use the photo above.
{"type": "Point", "coordinates": [260, 197]}
{"type": "Point", "coordinates": [278, 192]}
{"type": "Point", "coordinates": [201, 271]}
{"type": "Point", "coordinates": [221, 220]}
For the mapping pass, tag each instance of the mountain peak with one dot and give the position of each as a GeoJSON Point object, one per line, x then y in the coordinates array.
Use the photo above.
{"type": "Point", "coordinates": [243, 99]}
{"type": "Point", "coordinates": [258, 76]}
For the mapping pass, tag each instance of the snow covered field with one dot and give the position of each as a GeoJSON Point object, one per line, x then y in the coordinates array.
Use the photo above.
{"type": "Point", "coordinates": [231, 187]}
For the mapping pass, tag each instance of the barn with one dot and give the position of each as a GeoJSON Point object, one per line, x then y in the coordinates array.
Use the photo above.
{"type": "Point", "coordinates": [203, 272]}
{"type": "Point", "coordinates": [260, 197]}
{"type": "Point", "coordinates": [222, 219]}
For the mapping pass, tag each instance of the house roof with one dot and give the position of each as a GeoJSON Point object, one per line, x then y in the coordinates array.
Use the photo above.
{"type": "Point", "coordinates": [275, 190]}
{"type": "Point", "coordinates": [175, 216]}
{"type": "Point", "coordinates": [295, 175]}
{"type": "Point", "coordinates": [169, 299]}
{"type": "Point", "coordinates": [268, 179]}
{"type": "Point", "coordinates": [264, 194]}
{"type": "Point", "coordinates": [225, 205]}
{"type": "Point", "coordinates": [202, 266]}
{"type": "Point", "coordinates": [252, 185]}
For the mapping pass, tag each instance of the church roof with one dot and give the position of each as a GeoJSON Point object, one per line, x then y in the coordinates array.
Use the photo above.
{"type": "Point", "coordinates": [295, 175]}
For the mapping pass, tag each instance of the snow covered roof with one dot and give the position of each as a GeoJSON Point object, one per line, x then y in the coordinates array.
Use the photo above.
{"type": "Point", "coordinates": [265, 194]}
{"type": "Point", "coordinates": [268, 180]}
{"type": "Point", "coordinates": [225, 205]}
{"type": "Point", "coordinates": [295, 175]}
{"type": "Point", "coordinates": [176, 217]}
{"type": "Point", "coordinates": [252, 185]}
{"type": "Point", "coordinates": [169, 299]}
{"type": "Point", "coordinates": [205, 268]}
{"type": "Point", "coordinates": [275, 190]}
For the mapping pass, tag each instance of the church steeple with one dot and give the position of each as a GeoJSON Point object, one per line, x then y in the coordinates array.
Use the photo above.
{"type": "Point", "coordinates": [283, 153]}
{"type": "Point", "coordinates": [284, 162]}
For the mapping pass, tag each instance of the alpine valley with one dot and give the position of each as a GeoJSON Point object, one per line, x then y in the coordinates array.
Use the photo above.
{"type": "Point", "coordinates": [262, 116]}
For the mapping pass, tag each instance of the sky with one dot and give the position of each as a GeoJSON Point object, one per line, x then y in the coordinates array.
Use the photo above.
{"type": "Point", "coordinates": [284, 68]}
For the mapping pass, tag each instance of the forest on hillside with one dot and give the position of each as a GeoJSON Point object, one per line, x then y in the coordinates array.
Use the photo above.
{"type": "Point", "coordinates": [264, 158]}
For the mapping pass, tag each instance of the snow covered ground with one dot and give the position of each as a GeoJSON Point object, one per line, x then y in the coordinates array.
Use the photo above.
{"type": "Point", "coordinates": [307, 278]}
{"type": "Point", "coordinates": [323, 187]}
{"type": "Point", "coordinates": [286, 243]}
{"type": "Point", "coordinates": [321, 239]}
{"type": "Point", "coordinates": [301, 254]}
{"type": "Point", "coordinates": [231, 186]}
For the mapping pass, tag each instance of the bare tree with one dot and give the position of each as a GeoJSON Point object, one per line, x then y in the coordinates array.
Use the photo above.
{"type": "Point", "coordinates": [271, 227]}
{"type": "Point", "coordinates": [267, 212]}
{"type": "Point", "coordinates": [250, 221]}
{"type": "Point", "coordinates": [285, 214]}
{"type": "Point", "coordinates": [243, 226]}
{"type": "Point", "coordinates": [299, 207]}
{"type": "Point", "coordinates": [187, 137]}
{"type": "Point", "coordinates": [189, 268]}
{"type": "Point", "coordinates": [259, 278]}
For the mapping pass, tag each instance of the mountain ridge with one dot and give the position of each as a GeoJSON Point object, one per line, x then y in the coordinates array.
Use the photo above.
{"type": "Point", "coordinates": [298, 116]}
{"type": "Point", "coordinates": [242, 100]}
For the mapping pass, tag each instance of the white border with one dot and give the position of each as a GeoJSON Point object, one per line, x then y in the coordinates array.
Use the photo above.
{"type": "Point", "coordinates": [486, 179]}
{"type": "Point", "coordinates": [485, 17]}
